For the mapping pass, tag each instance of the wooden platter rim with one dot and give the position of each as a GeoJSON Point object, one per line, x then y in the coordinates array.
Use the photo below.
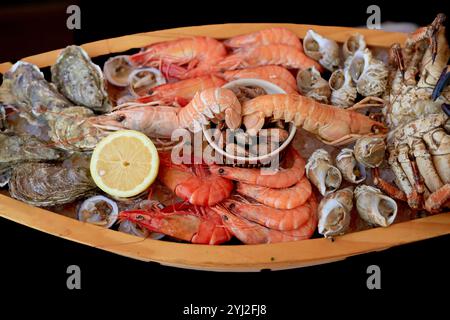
{"type": "Point", "coordinates": [227, 257]}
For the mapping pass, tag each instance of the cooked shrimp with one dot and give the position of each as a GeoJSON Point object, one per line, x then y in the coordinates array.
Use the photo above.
{"type": "Point", "coordinates": [275, 35]}
{"type": "Point", "coordinates": [198, 53]}
{"type": "Point", "coordinates": [331, 125]}
{"type": "Point", "coordinates": [281, 178]}
{"type": "Point", "coordinates": [182, 91]}
{"type": "Point", "coordinates": [287, 198]}
{"type": "Point", "coordinates": [283, 220]}
{"type": "Point", "coordinates": [253, 233]}
{"type": "Point", "coordinates": [193, 183]}
{"type": "Point", "coordinates": [273, 54]}
{"type": "Point", "coordinates": [275, 74]}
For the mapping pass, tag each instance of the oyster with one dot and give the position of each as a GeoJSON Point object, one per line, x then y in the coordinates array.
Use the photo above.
{"type": "Point", "coordinates": [25, 87]}
{"type": "Point", "coordinates": [334, 212]}
{"type": "Point", "coordinates": [311, 84]}
{"type": "Point", "coordinates": [15, 149]}
{"type": "Point", "coordinates": [99, 210]}
{"type": "Point", "coordinates": [369, 74]}
{"type": "Point", "coordinates": [374, 207]}
{"type": "Point", "coordinates": [343, 90]}
{"type": "Point", "coordinates": [80, 80]}
{"type": "Point", "coordinates": [47, 184]}
{"type": "Point", "coordinates": [72, 130]}
{"type": "Point", "coordinates": [321, 49]}
{"type": "Point", "coordinates": [355, 42]}
{"type": "Point", "coordinates": [319, 170]}
{"type": "Point", "coordinates": [352, 171]}
{"type": "Point", "coordinates": [370, 151]}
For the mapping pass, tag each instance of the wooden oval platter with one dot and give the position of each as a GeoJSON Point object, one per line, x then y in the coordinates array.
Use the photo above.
{"type": "Point", "coordinates": [224, 257]}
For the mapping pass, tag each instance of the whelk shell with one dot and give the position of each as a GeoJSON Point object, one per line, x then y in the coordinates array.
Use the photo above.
{"type": "Point", "coordinates": [319, 170]}
{"type": "Point", "coordinates": [374, 207]}
{"type": "Point", "coordinates": [334, 212]}
{"type": "Point", "coordinates": [80, 80]}
{"type": "Point", "coordinates": [369, 74]}
{"type": "Point", "coordinates": [370, 151]}
{"type": "Point", "coordinates": [323, 50]}
{"type": "Point", "coordinates": [311, 84]}
{"type": "Point", "coordinates": [343, 90]}
{"type": "Point", "coordinates": [355, 42]}
{"type": "Point", "coordinates": [352, 171]}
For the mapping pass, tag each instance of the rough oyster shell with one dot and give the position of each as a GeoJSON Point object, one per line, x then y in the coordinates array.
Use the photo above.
{"type": "Point", "coordinates": [334, 212]}
{"type": "Point", "coordinates": [319, 170]}
{"type": "Point", "coordinates": [311, 84]}
{"type": "Point", "coordinates": [369, 74]}
{"type": "Point", "coordinates": [72, 130]}
{"type": "Point", "coordinates": [374, 207]}
{"type": "Point", "coordinates": [80, 80]}
{"type": "Point", "coordinates": [343, 90]}
{"type": "Point", "coordinates": [370, 151]}
{"type": "Point", "coordinates": [321, 49]}
{"type": "Point", "coordinates": [20, 148]}
{"type": "Point", "coordinates": [25, 87]}
{"type": "Point", "coordinates": [47, 184]}
{"type": "Point", "coordinates": [352, 171]}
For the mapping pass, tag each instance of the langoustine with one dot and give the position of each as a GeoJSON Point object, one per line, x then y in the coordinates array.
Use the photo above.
{"type": "Point", "coordinates": [264, 37]}
{"type": "Point", "coordinates": [330, 124]}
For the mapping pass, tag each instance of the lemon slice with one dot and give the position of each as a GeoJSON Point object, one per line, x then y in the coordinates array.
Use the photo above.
{"type": "Point", "coordinates": [125, 163]}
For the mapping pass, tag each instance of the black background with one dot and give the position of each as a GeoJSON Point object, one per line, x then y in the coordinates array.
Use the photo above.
{"type": "Point", "coordinates": [33, 264]}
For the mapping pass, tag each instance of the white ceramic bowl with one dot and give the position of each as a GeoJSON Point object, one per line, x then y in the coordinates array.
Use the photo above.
{"type": "Point", "coordinates": [270, 88]}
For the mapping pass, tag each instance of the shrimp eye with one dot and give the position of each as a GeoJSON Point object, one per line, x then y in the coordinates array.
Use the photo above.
{"type": "Point", "coordinates": [139, 217]}
{"type": "Point", "coordinates": [221, 170]}
{"type": "Point", "coordinates": [120, 118]}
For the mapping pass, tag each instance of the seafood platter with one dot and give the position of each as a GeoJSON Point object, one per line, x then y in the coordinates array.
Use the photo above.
{"type": "Point", "coordinates": [235, 147]}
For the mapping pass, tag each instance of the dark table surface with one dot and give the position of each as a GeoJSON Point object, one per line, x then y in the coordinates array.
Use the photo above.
{"type": "Point", "coordinates": [33, 262]}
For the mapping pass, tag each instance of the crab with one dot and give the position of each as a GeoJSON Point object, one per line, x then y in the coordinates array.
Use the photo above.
{"type": "Point", "coordinates": [417, 114]}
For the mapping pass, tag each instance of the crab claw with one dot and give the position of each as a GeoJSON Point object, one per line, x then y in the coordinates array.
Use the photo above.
{"type": "Point", "coordinates": [442, 83]}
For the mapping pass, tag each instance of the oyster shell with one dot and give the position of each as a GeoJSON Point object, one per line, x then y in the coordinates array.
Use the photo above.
{"type": "Point", "coordinates": [343, 90]}
{"type": "Point", "coordinates": [80, 80]}
{"type": "Point", "coordinates": [355, 42]}
{"type": "Point", "coordinates": [25, 87]}
{"type": "Point", "coordinates": [99, 210]}
{"type": "Point", "coordinates": [370, 151]}
{"type": "Point", "coordinates": [334, 212]}
{"type": "Point", "coordinates": [72, 130]}
{"type": "Point", "coordinates": [352, 171]}
{"type": "Point", "coordinates": [15, 149]}
{"type": "Point", "coordinates": [311, 84]}
{"type": "Point", "coordinates": [321, 49]}
{"type": "Point", "coordinates": [47, 184]}
{"type": "Point", "coordinates": [369, 74]}
{"type": "Point", "coordinates": [319, 170]}
{"type": "Point", "coordinates": [374, 207]}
